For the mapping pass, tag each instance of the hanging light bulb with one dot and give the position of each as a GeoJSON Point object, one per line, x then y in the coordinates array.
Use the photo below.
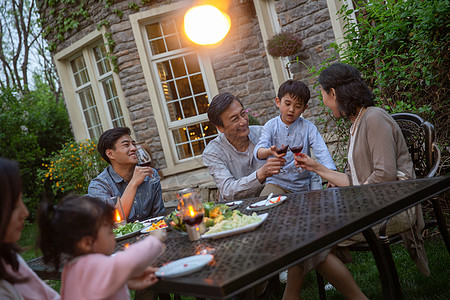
{"type": "Point", "coordinates": [206, 24]}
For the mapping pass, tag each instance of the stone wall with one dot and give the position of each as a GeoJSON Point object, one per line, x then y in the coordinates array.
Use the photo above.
{"type": "Point", "coordinates": [310, 19]}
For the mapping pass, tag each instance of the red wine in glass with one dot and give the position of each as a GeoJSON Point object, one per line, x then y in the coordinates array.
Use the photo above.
{"type": "Point", "coordinates": [193, 221]}
{"type": "Point", "coordinates": [281, 150]}
{"type": "Point", "coordinates": [145, 164]}
{"type": "Point", "coordinates": [296, 150]}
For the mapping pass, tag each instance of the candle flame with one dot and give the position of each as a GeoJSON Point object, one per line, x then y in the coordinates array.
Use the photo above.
{"type": "Point", "coordinates": [191, 211]}
{"type": "Point", "coordinates": [117, 215]}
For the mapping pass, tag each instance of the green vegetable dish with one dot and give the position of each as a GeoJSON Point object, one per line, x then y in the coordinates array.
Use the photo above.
{"type": "Point", "coordinates": [128, 228]}
{"type": "Point", "coordinates": [214, 214]}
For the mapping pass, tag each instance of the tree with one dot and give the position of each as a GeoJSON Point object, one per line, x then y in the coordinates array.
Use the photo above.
{"type": "Point", "coordinates": [22, 47]}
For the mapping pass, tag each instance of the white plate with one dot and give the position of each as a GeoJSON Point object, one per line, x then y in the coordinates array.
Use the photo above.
{"type": "Point", "coordinates": [184, 266]}
{"type": "Point", "coordinates": [233, 204]}
{"type": "Point", "coordinates": [260, 205]}
{"type": "Point", "coordinates": [148, 222]}
{"type": "Point", "coordinates": [242, 229]}
{"type": "Point", "coordinates": [145, 229]}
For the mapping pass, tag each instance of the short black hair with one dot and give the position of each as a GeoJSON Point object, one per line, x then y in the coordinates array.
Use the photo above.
{"type": "Point", "coordinates": [218, 105]}
{"type": "Point", "coordinates": [109, 138]}
{"type": "Point", "coordinates": [298, 90]}
{"type": "Point", "coordinates": [351, 90]}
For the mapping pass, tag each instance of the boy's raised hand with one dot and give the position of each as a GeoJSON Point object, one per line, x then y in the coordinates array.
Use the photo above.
{"type": "Point", "coordinates": [277, 152]}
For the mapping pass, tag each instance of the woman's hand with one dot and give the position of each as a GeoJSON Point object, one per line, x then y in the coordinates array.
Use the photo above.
{"type": "Point", "coordinates": [305, 162]}
{"type": "Point", "coordinates": [146, 279]}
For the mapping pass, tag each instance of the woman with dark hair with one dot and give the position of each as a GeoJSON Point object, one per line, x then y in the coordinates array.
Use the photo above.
{"type": "Point", "coordinates": [377, 152]}
{"type": "Point", "coordinates": [17, 280]}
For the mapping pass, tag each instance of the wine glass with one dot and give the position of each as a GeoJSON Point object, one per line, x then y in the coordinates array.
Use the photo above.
{"type": "Point", "coordinates": [144, 160]}
{"type": "Point", "coordinates": [119, 215]}
{"type": "Point", "coordinates": [281, 147]}
{"type": "Point", "coordinates": [192, 212]}
{"type": "Point", "coordinates": [191, 208]}
{"type": "Point", "coordinates": [296, 148]}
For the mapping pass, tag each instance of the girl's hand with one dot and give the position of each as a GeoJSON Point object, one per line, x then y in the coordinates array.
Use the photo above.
{"type": "Point", "coordinates": [305, 162]}
{"type": "Point", "coordinates": [146, 279]}
{"type": "Point", "coordinates": [160, 234]}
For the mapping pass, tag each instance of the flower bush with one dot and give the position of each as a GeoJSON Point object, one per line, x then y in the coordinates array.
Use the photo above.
{"type": "Point", "coordinates": [284, 44]}
{"type": "Point", "coordinates": [71, 169]}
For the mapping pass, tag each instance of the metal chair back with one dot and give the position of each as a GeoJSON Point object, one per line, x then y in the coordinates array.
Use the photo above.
{"type": "Point", "coordinates": [419, 136]}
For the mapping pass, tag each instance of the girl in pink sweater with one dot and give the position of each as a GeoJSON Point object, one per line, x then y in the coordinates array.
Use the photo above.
{"type": "Point", "coordinates": [80, 230]}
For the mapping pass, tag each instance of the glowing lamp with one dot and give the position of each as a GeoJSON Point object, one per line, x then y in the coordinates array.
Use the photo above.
{"type": "Point", "coordinates": [206, 24]}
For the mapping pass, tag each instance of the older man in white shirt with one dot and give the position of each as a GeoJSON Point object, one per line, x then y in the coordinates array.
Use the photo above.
{"type": "Point", "coordinates": [229, 157]}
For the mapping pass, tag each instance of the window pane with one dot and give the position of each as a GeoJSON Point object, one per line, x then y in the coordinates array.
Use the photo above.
{"type": "Point", "coordinates": [192, 63]}
{"type": "Point", "coordinates": [158, 46]}
{"type": "Point", "coordinates": [184, 151]}
{"type": "Point", "coordinates": [178, 67]}
{"type": "Point", "coordinates": [188, 108]}
{"type": "Point", "coordinates": [153, 31]}
{"type": "Point", "coordinates": [202, 104]}
{"type": "Point", "coordinates": [197, 84]}
{"type": "Point", "coordinates": [79, 71]}
{"type": "Point", "coordinates": [192, 140]}
{"type": "Point", "coordinates": [209, 129]}
{"type": "Point", "coordinates": [90, 113]}
{"type": "Point", "coordinates": [168, 26]}
{"type": "Point", "coordinates": [172, 42]}
{"type": "Point", "coordinates": [175, 111]}
{"type": "Point", "coordinates": [101, 59]}
{"type": "Point", "coordinates": [170, 92]}
{"type": "Point", "coordinates": [164, 70]}
{"type": "Point", "coordinates": [112, 100]}
{"type": "Point", "coordinates": [184, 90]}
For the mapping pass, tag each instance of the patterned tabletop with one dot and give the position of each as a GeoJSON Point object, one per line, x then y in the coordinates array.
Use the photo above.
{"type": "Point", "coordinates": [302, 225]}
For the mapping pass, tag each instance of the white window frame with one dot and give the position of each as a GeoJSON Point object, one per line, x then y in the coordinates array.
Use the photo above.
{"type": "Point", "coordinates": [337, 23]}
{"type": "Point", "coordinates": [62, 59]}
{"type": "Point", "coordinates": [269, 24]}
{"type": "Point", "coordinates": [164, 126]}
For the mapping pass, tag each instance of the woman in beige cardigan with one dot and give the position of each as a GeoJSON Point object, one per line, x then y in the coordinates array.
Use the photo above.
{"type": "Point", "coordinates": [377, 150]}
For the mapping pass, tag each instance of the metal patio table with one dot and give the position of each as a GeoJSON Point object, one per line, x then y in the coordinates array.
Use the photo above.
{"type": "Point", "coordinates": [301, 226]}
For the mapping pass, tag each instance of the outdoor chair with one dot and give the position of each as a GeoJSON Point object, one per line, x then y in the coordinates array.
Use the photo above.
{"type": "Point", "coordinates": [419, 136]}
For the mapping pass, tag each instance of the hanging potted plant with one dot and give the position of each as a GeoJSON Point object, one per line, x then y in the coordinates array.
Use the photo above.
{"type": "Point", "coordinates": [284, 44]}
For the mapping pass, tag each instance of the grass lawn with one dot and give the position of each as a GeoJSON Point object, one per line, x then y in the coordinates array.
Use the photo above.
{"type": "Point", "coordinates": [414, 284]}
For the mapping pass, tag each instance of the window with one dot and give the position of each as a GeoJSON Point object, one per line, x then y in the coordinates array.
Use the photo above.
{"type": "Point", "coordinates": [182, 86]}
{"type": "Point", "coordinates": [95, 89]}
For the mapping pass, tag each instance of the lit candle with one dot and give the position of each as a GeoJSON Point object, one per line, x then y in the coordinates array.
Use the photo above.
{"type": "Point", "coordinates": [191, 211]}
{"type": "Point", "coordinates": [118, 219]}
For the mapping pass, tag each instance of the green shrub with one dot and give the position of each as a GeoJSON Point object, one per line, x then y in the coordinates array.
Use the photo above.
{"type": "Point", "coordinates": [33, 125]}
{"type": "Point", "coordinates": [401, 48]}
{"type": "Point", "coordinates": [71, 169]}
